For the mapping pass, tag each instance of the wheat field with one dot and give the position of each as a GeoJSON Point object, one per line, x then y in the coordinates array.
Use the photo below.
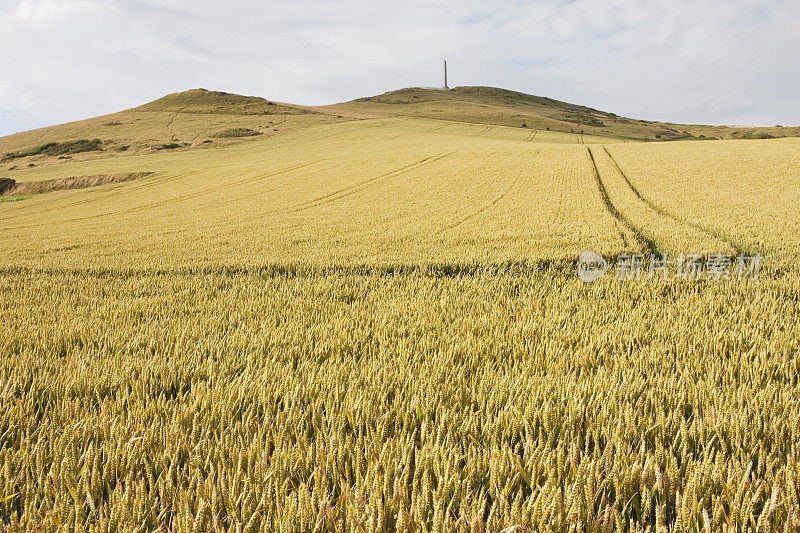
{"type": "Point", "coordinates": [376, 325]}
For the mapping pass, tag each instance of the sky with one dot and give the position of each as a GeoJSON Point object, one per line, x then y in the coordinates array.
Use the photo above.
{"type": "Point", "coordinates": [701, 61]}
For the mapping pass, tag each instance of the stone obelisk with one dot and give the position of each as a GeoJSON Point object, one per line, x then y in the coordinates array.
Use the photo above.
{"type": "Point", "coordinates": [444, 85]}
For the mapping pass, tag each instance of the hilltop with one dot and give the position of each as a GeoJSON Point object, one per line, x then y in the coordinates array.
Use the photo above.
{"type": "Point", "coordinates": [491, 105]}
{"type": "Point", "coordinates": [216, 102]}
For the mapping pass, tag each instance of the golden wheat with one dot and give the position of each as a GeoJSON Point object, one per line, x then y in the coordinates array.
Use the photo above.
{"type": "Point", "coordinates": [376, 326]}
{"type": "Point", "coordinates": [300, 401]}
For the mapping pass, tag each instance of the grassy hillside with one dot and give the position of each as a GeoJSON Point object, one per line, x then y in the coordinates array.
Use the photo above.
{"type": "Point", "coordinates": [183, 121]}
{"type": "Point", "coordinates": [489, 105]}
{"type": "Point", "coordinates": [202, 119]}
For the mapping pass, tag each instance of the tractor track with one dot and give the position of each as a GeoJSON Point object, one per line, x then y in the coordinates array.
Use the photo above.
{"type": "Point", "coordinates": [647, 245]}
{"type": "Point", "coordinates": [151, 205]}
{"type": "Point", "coordinates": [668, 214]}
{"type": "Point", "coordinates": [145, 183]}
{"type": "Point", "coordinates": [361, 185]}
{"type": "Point", "coordinates": [488, 206]}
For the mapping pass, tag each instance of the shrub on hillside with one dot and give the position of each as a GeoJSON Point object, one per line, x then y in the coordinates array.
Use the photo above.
{"type": "Point", "coordinates": [583, 119]}
{"type": "Point", "coordinates": [236, 132]}
{"type": "Point", "coordinates": [57, 148]}
{"type": "Point", "coordinates": [757, 135]}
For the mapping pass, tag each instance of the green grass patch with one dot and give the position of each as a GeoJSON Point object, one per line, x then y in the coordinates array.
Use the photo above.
{"type": "Point", "coordinates": [14, 198]}
{"type": "Point", "coordinates": [694, 138]}
{"type": "Point", "coordinates": [582, 118]}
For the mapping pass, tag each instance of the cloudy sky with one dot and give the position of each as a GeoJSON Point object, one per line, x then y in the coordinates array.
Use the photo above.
{"type": "Point", "coordinates": [710, 61]}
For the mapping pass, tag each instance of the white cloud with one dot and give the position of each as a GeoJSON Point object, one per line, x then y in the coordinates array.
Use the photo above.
{"type": "Point", "coordinates": [51, 11]}
{"type": "Point", "coordinates": [681, 60]}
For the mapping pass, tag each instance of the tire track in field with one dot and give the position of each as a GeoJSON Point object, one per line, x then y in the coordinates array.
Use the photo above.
{"type": "Point", "coordinates": [111, 193]}
{"type": "Point", "coordinates": [261, 177]}
{"type": "Point", "coordinates": [645, 243]}
{"type": "Point", "coordinates": [484, 131]}
{"type": "Point", "coordinates": [669, 214]}
{"type": "Point", "coordinates": [348, 191]}
{"type": "Point", "coordinates": [26, 211]}
{"type": "Point", "coordinates": [227, 184]}
{"type": "Point", "coordinates": [143, 207]}
{"type": "Point", "coordinates": [437, 128]}
{"type": "Point", "coordinates": [486, 207]}
{"type": "Point", "coordinates": [531, 136]}
{"type": "Point", "coordinates": [159, 203]}
{"type": "Point", "coordinates": [359, 186]}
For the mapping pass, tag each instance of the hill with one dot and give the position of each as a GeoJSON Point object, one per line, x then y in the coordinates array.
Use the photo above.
{"type": "Point", "coordinates": [203, 119]}
{"type": "Point", "coordinates": [216, 102]}
{"type": "Point", "coordinates": [491, 105]}
{"type": "Point", "coordinates": [197, 118]}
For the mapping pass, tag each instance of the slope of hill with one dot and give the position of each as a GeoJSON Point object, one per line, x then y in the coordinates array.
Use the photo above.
{"type": "Point", "coordinates": [192, 119]}
{"type": "Point", "coordinates": [490, 105]}
{"type": "Point", "coordinates": [410, 190]}
{"type": "Point", "coordinates": [202, 119]}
